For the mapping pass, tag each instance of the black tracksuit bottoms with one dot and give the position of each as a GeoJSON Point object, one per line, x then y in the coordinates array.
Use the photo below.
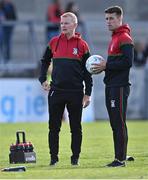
{"type": "Point", "coordinates": [116, 103]}
{"type": "Point", "coordinates": [57, 100]}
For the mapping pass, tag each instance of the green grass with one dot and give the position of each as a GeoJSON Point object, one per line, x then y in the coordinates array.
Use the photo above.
{"type": "Point", "coordinates": [97, 151]}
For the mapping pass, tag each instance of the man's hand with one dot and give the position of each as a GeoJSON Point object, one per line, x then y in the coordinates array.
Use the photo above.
{"type": "Point", "coordinates": [46, 86]}
{"type": "Point", "coordinates": [97, 68]}
{"type": "Point", "coordinates": [86, 101]}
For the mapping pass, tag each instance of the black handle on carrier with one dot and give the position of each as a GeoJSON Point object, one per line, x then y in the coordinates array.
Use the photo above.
{"type": "Point", "coordinates": [18, 137]}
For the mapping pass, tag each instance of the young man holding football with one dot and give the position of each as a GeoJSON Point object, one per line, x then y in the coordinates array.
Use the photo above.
{"type": "Point", "coordinates": [117, 68]}
{"type": "Point", "coordinates": [69, 53]}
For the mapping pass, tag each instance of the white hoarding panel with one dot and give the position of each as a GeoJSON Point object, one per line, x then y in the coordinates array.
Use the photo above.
{"type": "Point", "coordinates": [24, 100]}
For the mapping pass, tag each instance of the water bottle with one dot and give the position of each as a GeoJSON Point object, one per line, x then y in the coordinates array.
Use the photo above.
{"type": "Point", "coordinates": [30, 147]}
{"type": "Point", "coordinates": [12, 148]}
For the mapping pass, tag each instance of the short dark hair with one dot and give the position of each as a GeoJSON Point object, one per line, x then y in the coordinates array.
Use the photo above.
{"type": "Point", "coordinates": [114, 9]}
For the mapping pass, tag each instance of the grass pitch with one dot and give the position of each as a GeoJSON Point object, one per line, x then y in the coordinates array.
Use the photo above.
{"type": "Point", "coordinates": [97, 151]}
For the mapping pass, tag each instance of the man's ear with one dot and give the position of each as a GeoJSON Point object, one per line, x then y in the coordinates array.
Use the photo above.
{"type": "Point", "coordinates": [120, 18]}
{"type": "Point", "coordinates": [76, 24]}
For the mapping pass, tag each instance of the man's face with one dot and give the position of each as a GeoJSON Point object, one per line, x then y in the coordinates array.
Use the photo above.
{"type": "Point", "coordinates": [113, 21]}
{"type": "Point", "coordinates": [67, 25]}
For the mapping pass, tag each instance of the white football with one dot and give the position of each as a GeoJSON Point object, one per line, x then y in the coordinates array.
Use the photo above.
{"type": "Point", "coordinates": [94, 59]}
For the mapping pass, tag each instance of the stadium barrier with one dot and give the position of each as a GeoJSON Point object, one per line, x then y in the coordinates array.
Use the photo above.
{"type": "Point", "coordinates": [138, 98]}
{"type": "Point", "coordinates": [23, 99]}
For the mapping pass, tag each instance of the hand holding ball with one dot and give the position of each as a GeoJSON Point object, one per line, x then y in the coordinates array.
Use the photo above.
{"type": "Point", "coordinates": [94, 59]}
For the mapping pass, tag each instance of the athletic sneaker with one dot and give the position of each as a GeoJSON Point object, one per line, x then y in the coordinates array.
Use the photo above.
{"type": "Point", "coordinates": [53, 162]}
{"type": "Point", "coordinates": [74, 162]}
{"type": "Point", "coordinates": [129, 158]}
{"type": "Point", "coordinates": [116, 163]}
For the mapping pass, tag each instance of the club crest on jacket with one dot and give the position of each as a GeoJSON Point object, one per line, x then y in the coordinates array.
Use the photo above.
{"type": "Point", "coordinates": [75, 51]}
